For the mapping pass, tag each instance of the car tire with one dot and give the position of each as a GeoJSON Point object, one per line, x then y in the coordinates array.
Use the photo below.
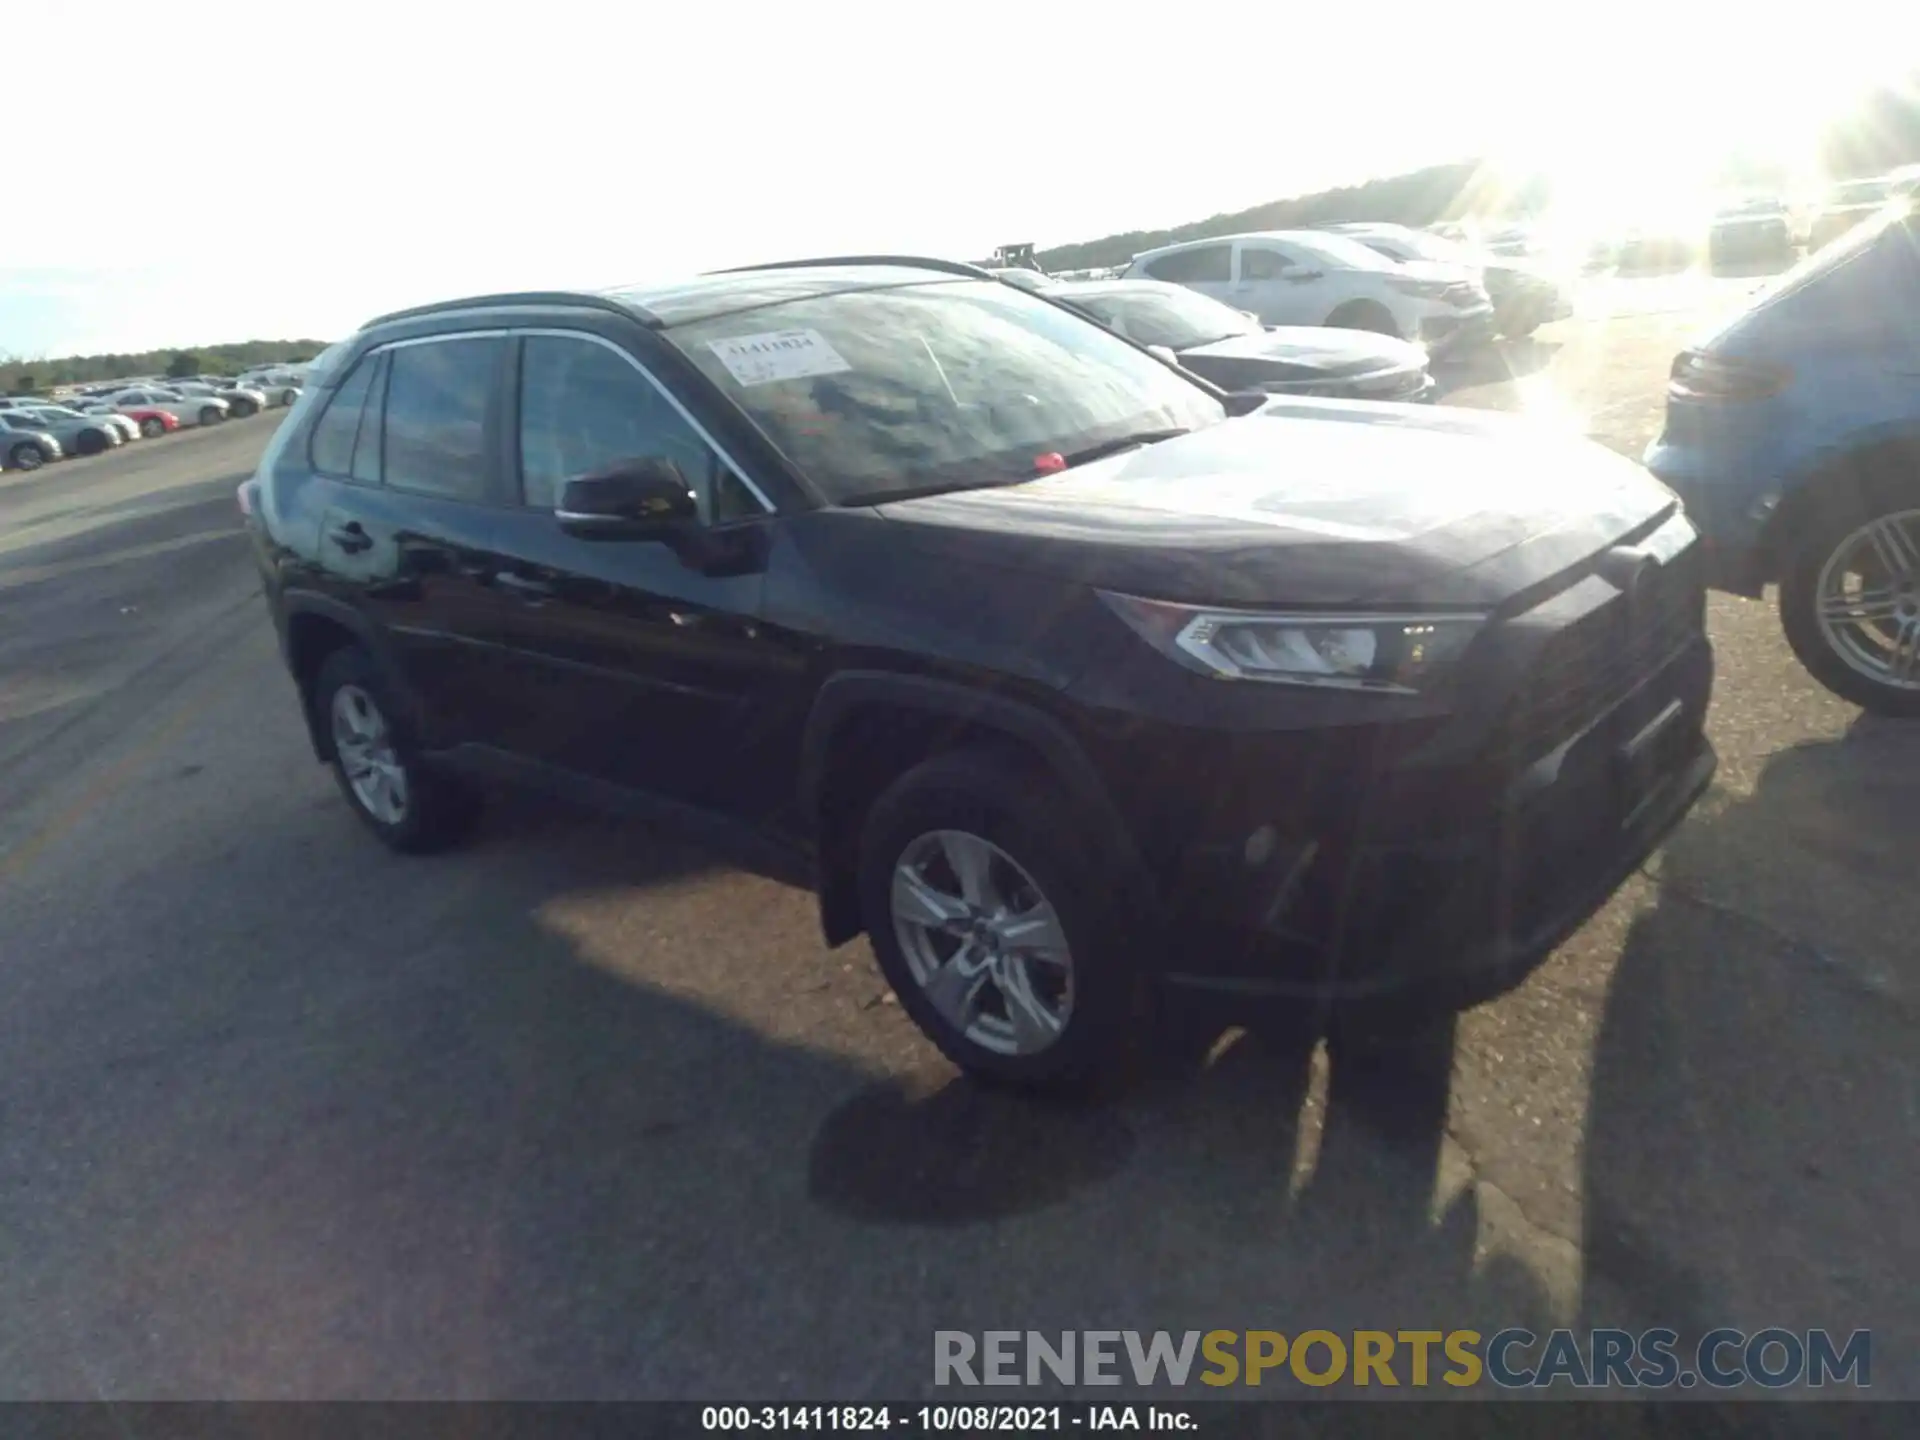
{"type": "Point", "coordinates": [287, 397]}
{"type": "Point", "coordinates": [1035, 872]}
{"type": "Point", "coordinates": [1365, 315]}
{"type": "Point", "coordinates": [1850, 589]}
{"type": "Point", "coordinates": [212, 415]}
{"type": "Point", "coordinates": [242, 409]}
{"type": "Point", "coordinates": [26, 456]}
{"type": "Point", "coordinates": [153, 429]}
{"type": "Point", "coordinates": [412, 807]}
{"type": "Point", "coordinates": [92, 442]}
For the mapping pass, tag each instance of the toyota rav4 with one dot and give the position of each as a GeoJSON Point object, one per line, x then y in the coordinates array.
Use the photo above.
{"type": "Point", "coordinates": [1079, 682]}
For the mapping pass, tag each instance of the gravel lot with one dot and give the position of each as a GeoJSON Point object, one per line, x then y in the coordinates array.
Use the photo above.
{"type": "Point", "coordinates": [587, 1110]}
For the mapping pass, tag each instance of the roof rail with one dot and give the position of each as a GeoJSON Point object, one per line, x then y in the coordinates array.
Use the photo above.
{"type": "Point", "coordinates": [921, 262]}
{"type": "Point", "coordinates": [492, 302]}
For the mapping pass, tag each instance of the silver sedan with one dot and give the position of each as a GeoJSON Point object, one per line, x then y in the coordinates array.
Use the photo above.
{"type": "Point", "coordinates": [23, 445]}
{"type": "Point", "coordinates": [80, 434]}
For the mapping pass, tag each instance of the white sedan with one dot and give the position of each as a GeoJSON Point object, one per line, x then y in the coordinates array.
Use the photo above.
{"type": "Point", "coordinates": [188, 410]}
{"type": "Point", "coordinates": [125, 426]}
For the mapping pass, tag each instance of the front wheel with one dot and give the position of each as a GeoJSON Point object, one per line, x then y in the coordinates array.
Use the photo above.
{"type": "Point", "coordinates": [92, 442]}
{"type": "Point", "coordinates": [991, 914]}
{"type": "Point", "coordinates": [243, 408]}
{"type": "Point", "coordinates": [212, 415]}
{"type": "Point", "coordinates": [411, 807]}
{"type": "Point", "coordinates": [1365, 315]}
{"type": "Point", "coordinates": [26, 456]}
{"type": "Point", "coordinates": [1850, 601]}
{"type": "Point", "coordinates": [287, 397]}
{"type": "Point", "coordinates": [153, 428]}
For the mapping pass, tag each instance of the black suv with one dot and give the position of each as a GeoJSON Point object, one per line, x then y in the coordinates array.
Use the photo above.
{"type": "Point", "coordinates": [1075, 678]}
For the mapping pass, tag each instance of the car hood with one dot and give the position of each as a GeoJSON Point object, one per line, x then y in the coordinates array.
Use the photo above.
{"type": "Point", "coordinates": [1313, 351]}
{"type": "Point", "coordinates": [1309, 502]}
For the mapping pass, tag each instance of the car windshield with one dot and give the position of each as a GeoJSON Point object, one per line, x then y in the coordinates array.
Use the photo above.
{"type": "Point", "coordinates": [920, 388]}
{"type": "Point", "coordinates": [1170, 315]}
{"type": "Point", "coordinates": [1339, 252]}
{"type": "Point", "coordinates": [1421, 247]}
{"type": "Point", "coordinates": [1862, 192]}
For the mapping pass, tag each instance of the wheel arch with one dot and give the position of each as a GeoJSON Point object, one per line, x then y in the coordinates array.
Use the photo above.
{"type": "Point", "coordinates": [312, 627]}
{"type": "Point", "coordinates": [868, 727]}
{"type": "Point", "coordinates": [1845, 477]}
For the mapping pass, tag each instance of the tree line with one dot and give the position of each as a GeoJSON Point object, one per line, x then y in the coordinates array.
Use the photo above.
{"type": "Point", "coordinates": [31, 377]}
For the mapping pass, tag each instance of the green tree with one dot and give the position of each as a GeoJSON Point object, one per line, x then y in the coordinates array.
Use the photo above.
{"type": "Point", "coordinates": [184, 363]}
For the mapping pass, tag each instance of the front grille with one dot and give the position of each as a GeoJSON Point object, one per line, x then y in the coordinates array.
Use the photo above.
{"type": "Point", "coordinates": [1587, 668]}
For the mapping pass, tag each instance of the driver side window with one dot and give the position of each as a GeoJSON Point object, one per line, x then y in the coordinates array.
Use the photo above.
{"type": "Point", "coordinates": [1261, 262]}
{"type": "Point", "coordinates": [586, 409]}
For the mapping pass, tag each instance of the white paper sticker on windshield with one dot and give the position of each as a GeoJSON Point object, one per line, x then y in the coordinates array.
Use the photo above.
{"type": "Point", "coordinates": [778, 355]}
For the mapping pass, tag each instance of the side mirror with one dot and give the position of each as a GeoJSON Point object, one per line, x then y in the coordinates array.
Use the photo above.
{"type": "Point", "coordinates": [636, 500]}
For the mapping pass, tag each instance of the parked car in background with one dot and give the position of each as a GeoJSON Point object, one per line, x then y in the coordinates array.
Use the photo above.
{"type": "Point", "coordinates": [242, 400]}
{"type": "Point", "coordinates": [78, 434]}
{"type": "Point", "coordinates": [126, 426]}
{"type": "Point", "coordinates": [1846, 205]}
{"type": "Point", "coordinates": [1072, 682]}
{"type": "Point", "coordinates": [25, 442]}
{"type": "Point", "coordinates": [1793, 434]}
{"type": "Point", "coordinates": [1758, 228]}
{"type": "Point", "coordinates": [282, 385]}
{"type": "Point", "coordinates": [1306, 277]}
{"type": "Point", "coordinates": [1524, 296]}
{"type": "Point", "coordinates": [189, 410]}
{"type": "Point", "coordinates": [1236, 352]}
{"type": "Point", "coordinates": [153, 420]}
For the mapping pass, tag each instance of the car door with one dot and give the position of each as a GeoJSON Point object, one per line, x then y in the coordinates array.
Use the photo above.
{"type": "Point", "coordinates": [643, 662]}
{"type": "Point", "coordinates": [414, 507]}
{"type": "Point", "coordinates": [1277, 283]}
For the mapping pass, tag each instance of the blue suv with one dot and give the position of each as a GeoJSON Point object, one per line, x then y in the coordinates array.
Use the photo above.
{"type": "Point", "coordinates": [1793, 436]}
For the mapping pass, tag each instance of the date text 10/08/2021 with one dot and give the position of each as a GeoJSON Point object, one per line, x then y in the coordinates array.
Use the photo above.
{"type": "Point", "coordinates": [937, 1419]}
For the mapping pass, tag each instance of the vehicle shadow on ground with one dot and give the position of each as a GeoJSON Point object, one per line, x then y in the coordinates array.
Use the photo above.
{"type": "Point", "coordinates": [1753, 1145]}
{"type": "Point", "coordinates": [1492, 364]}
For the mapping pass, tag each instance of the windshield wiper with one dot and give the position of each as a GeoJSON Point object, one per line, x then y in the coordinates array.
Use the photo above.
{"type": "Point", "coordinates": [943, 487]}
{"type": "Point", "coordinates": [1115, 446]}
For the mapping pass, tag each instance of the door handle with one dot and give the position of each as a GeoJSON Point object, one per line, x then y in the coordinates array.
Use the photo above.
{"type": "Point", "coordinates": [350, 537]}
{"type": "Point", "coordinates": [535, 592]}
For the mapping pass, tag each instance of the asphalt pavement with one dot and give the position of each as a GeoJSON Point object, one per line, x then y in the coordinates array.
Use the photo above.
{"type": "Point", "coordinates": [587, 1110]}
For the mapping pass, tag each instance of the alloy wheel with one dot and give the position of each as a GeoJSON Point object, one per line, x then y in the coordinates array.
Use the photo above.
{"type": "Point", "coordinates": [983, 942]}
{"type": "Point", "coordinates": [363, 741]}
{"type": "Point", "coordinates": [28, 457]}
{"type": "Point", "coordinates": [1868, 600]}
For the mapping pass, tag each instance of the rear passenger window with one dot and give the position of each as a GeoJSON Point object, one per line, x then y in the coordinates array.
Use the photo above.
{"type": "Point", "coordinates": [436, 417]}
{"type": "Point", "coordinates": [366, 449]}
{"type": "Point", "coordinates": [1206, 264]}
{"type": "Point", "coordinates": [585, 409]}
{"type": "Point", "coordinates": [331, 450]}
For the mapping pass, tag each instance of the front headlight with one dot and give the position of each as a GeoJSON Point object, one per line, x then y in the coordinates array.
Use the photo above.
{"type": "Point", "coordinates": [1396, 654]}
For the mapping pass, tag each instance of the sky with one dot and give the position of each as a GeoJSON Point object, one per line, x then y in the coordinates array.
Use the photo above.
{"type": "Point", "coordinates": [276, 170]}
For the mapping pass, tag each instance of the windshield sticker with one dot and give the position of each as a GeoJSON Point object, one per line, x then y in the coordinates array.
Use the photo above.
{"type": "Point", "coordinates": [778, 355]}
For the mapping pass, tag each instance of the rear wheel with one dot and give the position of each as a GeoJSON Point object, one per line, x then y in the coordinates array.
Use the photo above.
{"type": "Point", "coordinates": [1850, 592]}
{"type": "Point", "coordinates": [212, 415]}
{"type": "Point", "coordinates": [1365, 315]}
{"type": "Point", "coordinates": [26, 456]}
{"type": "Point", "coordinates": [411, 807]}
{"type": "Point", "coordinates": [990, 912]}
{"type": "Point", "coordinates": [287, 397]}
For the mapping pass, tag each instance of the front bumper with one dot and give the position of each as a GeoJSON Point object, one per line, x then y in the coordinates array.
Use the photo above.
{"type": "Point", "coordinates": [1452, 855]}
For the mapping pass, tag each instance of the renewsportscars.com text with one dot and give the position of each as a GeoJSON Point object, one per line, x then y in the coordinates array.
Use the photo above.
{"type": "Point", "coordinates": [1510, 1359]}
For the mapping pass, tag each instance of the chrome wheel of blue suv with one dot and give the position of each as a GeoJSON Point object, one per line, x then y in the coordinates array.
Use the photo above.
{"type": "Point", "coordinates": [1869, 600]}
